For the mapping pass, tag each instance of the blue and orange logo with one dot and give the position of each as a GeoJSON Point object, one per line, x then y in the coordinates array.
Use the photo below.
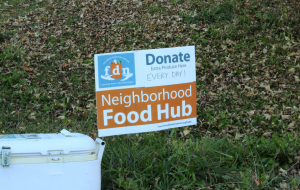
{"type": "Point", "coordinates": [116, 70]}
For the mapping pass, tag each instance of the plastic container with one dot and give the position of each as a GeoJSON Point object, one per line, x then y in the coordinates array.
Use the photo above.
{"type": "Point", "coordinates": [50, 161]}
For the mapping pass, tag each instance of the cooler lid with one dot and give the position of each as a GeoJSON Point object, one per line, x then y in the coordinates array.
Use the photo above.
{"type": "Point", "coordinates": [47, 144]}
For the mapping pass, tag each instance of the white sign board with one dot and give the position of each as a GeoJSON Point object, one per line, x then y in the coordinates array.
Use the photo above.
{"type": "Point", "coordinates": [145, 90]}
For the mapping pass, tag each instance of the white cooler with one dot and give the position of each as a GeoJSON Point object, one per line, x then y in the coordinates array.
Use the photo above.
{"type": "Point", "coordinates": [64, 161]}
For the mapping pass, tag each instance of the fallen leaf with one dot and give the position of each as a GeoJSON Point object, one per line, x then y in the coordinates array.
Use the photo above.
{"type": "Point", "coordinates": [292, 124]}
{"type": "Point", "coordinates": [265, 51]}
{"type": "Point", "coordinates": [283, 185]}
{"type": "Point", "coordinates": [28, 69]}
{"type": "Point", "coordinates": [283, 172]}
{"type": "Point", "coordinates": [257, 181]}
{"type": "Point", "coordinates": [32, 116]}
{"type": "Point", "coordinates": [84, 114]}
{"type": "Point", "coordinates": [285, 116]}
{"type": "Point", "coordinates": [61, 117]}
{"type": "Point", "coordinates": [212, 94]}
{"type": "Point", "coordinates": [251, 112]}
{"type": "Point", "coordinates": [238, 136]}
{"type": "Point", "coordinates": [294, 53]}
{"type": "Point", "coordinates": [291, 70]}
{"type": "Point", "coordinates": [186, 131]}
{"type": "Point", "coordinates": [21, 127]}
{"type": "Point", "coordinates": [267, 134]}
{"type": "Point", "coordinates": [267, 116]}
{"type": "Point", "coordinates": [93, 136]}
{"type": "Point", "coordinates": [156, 180]}
{"type": "Point", "coordinates": [193, 26]}
{"type": "Point", "coordinates": [267, 87]}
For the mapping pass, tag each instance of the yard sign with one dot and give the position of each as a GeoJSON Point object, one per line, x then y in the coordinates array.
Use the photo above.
{"type": "Point", "coordinates": [145, 90]}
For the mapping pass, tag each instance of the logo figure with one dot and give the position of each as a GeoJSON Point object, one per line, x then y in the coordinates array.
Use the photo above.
{"type": "Point", "coordinates": [116, 69]}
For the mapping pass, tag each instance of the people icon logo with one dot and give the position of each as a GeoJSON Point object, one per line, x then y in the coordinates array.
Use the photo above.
{"type": "Point", "coordinates": [119, 70]}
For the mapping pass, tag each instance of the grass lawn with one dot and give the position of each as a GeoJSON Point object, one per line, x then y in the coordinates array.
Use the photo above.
{"type": "Point", "coordinates": [248, 77]}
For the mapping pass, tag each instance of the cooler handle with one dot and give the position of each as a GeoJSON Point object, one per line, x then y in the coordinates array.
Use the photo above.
{"type": "Point", "coordinates": [100, 146]}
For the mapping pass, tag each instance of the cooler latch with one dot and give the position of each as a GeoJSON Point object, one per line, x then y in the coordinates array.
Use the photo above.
{"type": "Point", "coordinates": [5, 156]}
{"type": "Point", "coordinates": [67, 133]}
